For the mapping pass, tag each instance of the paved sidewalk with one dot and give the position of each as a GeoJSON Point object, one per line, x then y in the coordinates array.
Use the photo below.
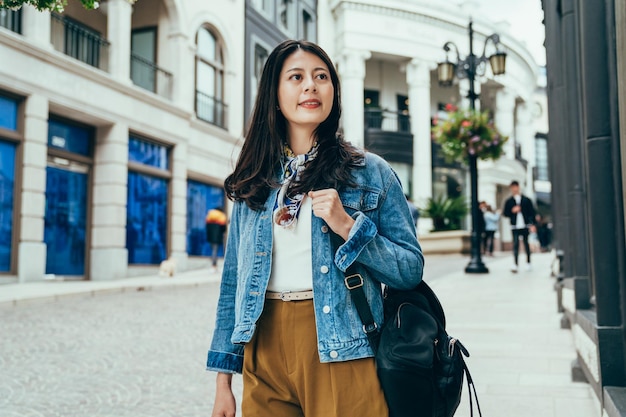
{"type": "Point", "coordinates": [55, 290]}
{"type": "Point", "coordinates": [520, 356]}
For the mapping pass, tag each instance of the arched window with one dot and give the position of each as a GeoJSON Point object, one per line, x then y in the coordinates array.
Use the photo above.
{"type": "Point", "coordinates": [210, 105]}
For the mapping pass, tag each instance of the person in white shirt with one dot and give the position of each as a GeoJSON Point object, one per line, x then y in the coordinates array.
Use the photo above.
{"type": "Point", "coordinates": [520, 211]}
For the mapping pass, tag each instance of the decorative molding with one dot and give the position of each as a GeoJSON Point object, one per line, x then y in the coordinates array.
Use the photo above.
{"type": "Point", "coordinates": [352, 63]}
{"type": "Point", "coordinates": [417, 73]}
{"type": "Point", "coordinates": [512, 45]}
{"type": "Point", "coordinates": [401, 13]}
{"type": "Point", "coordinates": [505, 100]}
{"type": "Point", "coordinates": [82, 70]}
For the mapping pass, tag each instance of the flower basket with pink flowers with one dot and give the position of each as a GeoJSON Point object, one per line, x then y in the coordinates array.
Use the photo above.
{"type": "Point", "coordinates": [467, 133]}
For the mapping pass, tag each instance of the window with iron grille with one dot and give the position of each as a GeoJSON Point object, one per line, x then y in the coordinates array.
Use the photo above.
{"type": "Point", "coordinates": [210, 105]}
{"type": "Point", "coordinates": [11, 19]}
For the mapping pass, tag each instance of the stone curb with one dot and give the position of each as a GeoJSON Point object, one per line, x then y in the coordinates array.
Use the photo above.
{"type": "Point", "coordinates": [56, 292]}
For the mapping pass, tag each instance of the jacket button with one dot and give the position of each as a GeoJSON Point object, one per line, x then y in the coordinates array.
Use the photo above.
{"type": "Point", "coordinates": [324, 229]}
{"type": "Point", "coordinates": [324, 269]}
{"type": "Point", "coordinates": [334, 354]}
{"type": "Point", "coordinates": [326, 309]}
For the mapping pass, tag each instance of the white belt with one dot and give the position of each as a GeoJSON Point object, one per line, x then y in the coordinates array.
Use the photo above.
{"type": "Point", "coordinates": [290, 295]}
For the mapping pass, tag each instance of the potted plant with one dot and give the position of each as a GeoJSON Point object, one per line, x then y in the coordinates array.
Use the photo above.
{"type": "Point", "coordinates": [445, 212]}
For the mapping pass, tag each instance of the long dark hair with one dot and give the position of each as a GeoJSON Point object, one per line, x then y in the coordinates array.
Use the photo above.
{"type": "Point", "coordinates": [256, 171]}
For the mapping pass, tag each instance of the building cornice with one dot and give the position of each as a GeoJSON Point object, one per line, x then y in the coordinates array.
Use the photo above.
{"type": "Point", "coordinates": [445, 18]}
{"type": "Point", "coordinates": [81, 70]}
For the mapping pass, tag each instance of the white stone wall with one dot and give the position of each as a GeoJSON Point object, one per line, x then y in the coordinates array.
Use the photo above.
{"type": "Point", "coordinates": [395, 38]}
{"type": "Point", "coordinates": [53, 83]}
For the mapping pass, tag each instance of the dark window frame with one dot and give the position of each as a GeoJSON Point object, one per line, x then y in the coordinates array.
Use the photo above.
{"type": "Point", "coordinates": [217, 64]}
{"type": "Point", "coordinates": [160, 174]}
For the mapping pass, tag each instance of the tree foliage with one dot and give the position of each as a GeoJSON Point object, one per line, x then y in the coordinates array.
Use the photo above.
{"type": "Point", "coordinates": [51, 5]}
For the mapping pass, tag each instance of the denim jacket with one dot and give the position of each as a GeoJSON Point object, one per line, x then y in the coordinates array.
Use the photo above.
{"type": "Point", "coordinates": [382, 241]}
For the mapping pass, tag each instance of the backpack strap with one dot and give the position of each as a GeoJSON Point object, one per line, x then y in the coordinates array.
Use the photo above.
{"type": "Point", "coordinates": [354, 282]}
{"type": "Point", "coordinates": [471, 388]}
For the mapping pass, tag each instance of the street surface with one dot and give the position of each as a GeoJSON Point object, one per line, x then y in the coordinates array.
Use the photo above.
{"type": "Point", "coordinates": [142, 353]}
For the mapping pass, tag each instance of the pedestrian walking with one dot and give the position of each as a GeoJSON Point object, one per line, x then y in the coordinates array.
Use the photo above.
{"type": "Point", "coordinates": [215, 225]}
{"type": "Point", "coordinates": [284, 316]}
{"type": "Point", "coordinates": [491, 227]}
{"type": "Point", "coordinates": [482, 206]}
{"type": "Point", "coordinates": [544, 233]}
{"type": "Point", "coordinates": [521, 212]}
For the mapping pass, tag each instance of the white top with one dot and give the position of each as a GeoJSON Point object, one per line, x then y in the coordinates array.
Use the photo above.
{"type": "Point", "coordinates": [519, 223]}
{"type": "Point", "coordinates": [292, 265]}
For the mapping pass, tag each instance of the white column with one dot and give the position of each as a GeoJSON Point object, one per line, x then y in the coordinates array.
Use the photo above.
{"type": "Point", "coordinates": [505, 119]}
{"type": "Point", "coordinates": [31, 265]}
{"type": "Point", "coordinates": [178, 218]}
{"type": "Point", "coordinates": [118, 30]}
{"type": "Point", "coordinates": [36, 26]}
{"type": "Point", "coordinates": [109, 256]}
{"type": "Point", "coordinates": [477, 90]}
{"type": "Point", "coordinates": [525, 135]}
{"type": "Point", "coordinates": [352, 70]}
{"type": "Point", "coordinates": [464, 91]}
{"type": "Point", "coordinates": [183, 88]}
{"type": "Point", "coordinates": [418, 81]}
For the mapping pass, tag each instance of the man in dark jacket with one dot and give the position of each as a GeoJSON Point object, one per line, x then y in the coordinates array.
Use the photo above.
{"type": "Point", "coordinates": [520, 211]}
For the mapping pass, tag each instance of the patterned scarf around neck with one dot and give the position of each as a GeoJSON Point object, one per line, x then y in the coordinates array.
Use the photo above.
{"type": "Point", "coordinates": [287, 207]}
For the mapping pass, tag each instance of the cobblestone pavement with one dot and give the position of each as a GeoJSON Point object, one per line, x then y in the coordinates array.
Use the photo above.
{"type": "Point", "coordinates": [142, 353]}
{"type": "Point", "coordinates": [131, 354]}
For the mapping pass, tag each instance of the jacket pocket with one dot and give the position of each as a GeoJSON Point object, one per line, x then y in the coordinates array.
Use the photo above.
{"type": "Point", "coordinates": [359, 199]}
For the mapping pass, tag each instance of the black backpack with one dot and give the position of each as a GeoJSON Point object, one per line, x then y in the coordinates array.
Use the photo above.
{"type": "Point", "coordinates": [420, 366]}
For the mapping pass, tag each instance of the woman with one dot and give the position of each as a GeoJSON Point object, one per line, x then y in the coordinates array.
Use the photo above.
{"type": "Point", "coordinates": [284, 317]}
{"type": "Point", "coordinates": [491, 227]}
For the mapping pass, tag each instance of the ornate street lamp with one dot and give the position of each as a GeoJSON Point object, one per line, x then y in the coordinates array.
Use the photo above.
{"type": "Point", "coordinates": [468, 68]}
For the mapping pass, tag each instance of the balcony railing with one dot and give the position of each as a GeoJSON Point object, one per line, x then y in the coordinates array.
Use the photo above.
{"type": "Point", "coordinates": [79, 42]}
{"type": "Point", "coordinates": [211, 109]}
{"type": "Point", "coordinates": [11, 19]}
{"type": "Point", "coordinates": [146, 74]}
{"type": "Point", "coordinates": [386, 120]}
{"type": "Point", "coordinates": [388, 134]}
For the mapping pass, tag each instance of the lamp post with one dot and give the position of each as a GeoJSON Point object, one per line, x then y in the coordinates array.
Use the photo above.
{"type": "Point", "coordinates": [468, 68]}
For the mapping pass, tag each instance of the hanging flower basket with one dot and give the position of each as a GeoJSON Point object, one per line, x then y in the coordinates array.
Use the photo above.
{"type": "Point", "coordinates": [468, 132]}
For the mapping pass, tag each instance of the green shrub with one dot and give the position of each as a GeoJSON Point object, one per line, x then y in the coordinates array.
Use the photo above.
{"type": "Point", "coordinates": [447, 213]}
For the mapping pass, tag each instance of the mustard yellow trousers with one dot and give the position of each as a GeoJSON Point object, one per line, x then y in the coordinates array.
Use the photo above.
{"type": "Point", "coordinates": [283, 376]}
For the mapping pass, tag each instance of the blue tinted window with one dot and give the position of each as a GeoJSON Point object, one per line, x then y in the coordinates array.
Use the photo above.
{"type": "Point", "coordinates": [7, 180]}
{"type": "Point", "coordinates": [146, 223]}
{"type": "Point", "coordinates": [148, 153]}
{"type": "Point", "coordinates": [200, 199]}
{"type": "Point", "coordinates": [8, 113]}
{"type": "Point", "coordinates": [70, 138]}
{"type": "Point", "coordinates": [65, 221]}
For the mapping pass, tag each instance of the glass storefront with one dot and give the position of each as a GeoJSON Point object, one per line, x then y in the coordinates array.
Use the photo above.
{"type": "Point", "coordinates": [147, 206]}
{"type": "Point", "coordinates": [8, 121]}
{"type": "Point", "coordinates": [7, 184]}
{"type": "Point", "coordinates": [67, 189]}
{"type": "Point", "coordinates": [8, 113]}
{"type": "Point", "coordinates": [66, 218]}
{"type": "Point", "coordinates": [200, 199]}
{"type": "Point", "coordinates": [70, 138]}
